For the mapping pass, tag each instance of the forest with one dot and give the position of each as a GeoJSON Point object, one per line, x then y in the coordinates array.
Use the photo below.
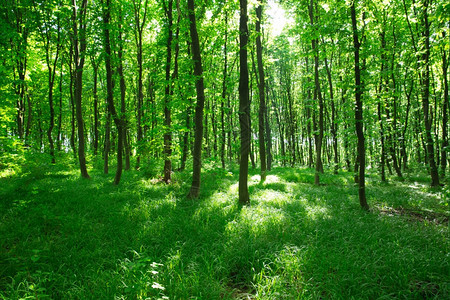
{"type": "Point", "coordinates": [224, 149]}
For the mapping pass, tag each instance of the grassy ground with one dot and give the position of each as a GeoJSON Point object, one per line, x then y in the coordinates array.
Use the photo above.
{"type": "Point", "coordinates": [63, 237]}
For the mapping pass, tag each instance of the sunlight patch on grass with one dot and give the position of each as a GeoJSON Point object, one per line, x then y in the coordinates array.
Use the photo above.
{"type": "Point", "coordinates": [316, 212]}
{"type": "Point", "coordinates": [270, 196]}
{"type": "Point", "coordinates": [272, 179]}
{"type": "Point", "coordinates": [258, 222]}
{"type": "Point", "coordinates": [233, 189]}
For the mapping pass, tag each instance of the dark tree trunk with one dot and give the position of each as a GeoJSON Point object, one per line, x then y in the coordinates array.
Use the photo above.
{"type": "Point", "coordinates": [404, 156]}
{"type": "Point", "coordinates": [268, 136]}
{"type": "Point", "coordinates": [51, 67]}
{"type": "Point", "coordinates": [125, 148]}
{"type": "Point", "coordinates": [224, 93]}
{"type": "Point", "coordinates": [167, 111]}
{"type": "Point", "coordinates": [383, 149]}
{"type": "Point", "coordinates": [428, 116]}
{"type": "Point", "coordinates": [262, 93]}
{"type": "Point", "coordinates": [317, 96]}
{"type": "Point", "coordinates": [79, 43]}
{"type": "Point", "coordinates": [309, 118]}
{"type": "Point", "coordinates": [138, 29]}
{"type": "Point", "coordinates": [58, 134]}
{"type": "Point", "coordinates": [198, 73]}
{"type": "Point", "coordinates": [244, 105]}
{"type": "Point", "coordinates": [334, 124]}
{"type": "Point", "coordinates": [359, 114]}
{"type": "Point", "coordinates": [107, 145]}
{"type": "Point", "coordinates": [445, 149]}
{"type": "Point", "coordinates": [110, 93]}
{"type": "Point", "coordinates": [380, 112]}
{"type": "Point", "coordinates": [96, 114]}
{"type": "Point", "coordinates": [72, 104]}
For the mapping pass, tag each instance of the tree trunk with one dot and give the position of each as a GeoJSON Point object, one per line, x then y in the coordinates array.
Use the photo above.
{"type": "Point", "coordinates": [244, 105]}
{"type": "Point", "coordinates": [359, 114]}
{"type": "Point", "coordinates": [107, 145]}
{"type": "Point", "coordinates": [138, 29]}
{"type": "Point", "coordinates": [445, 108]}
{"type": "Point", "coordinates": [96, 114]}
{"type": "Point", "coordinates": [167, 111]}
{"type": "Point", "coordinates": [58, 134]}
{"type": "Point", "coordinates": [262, 93]}
{"type": "Point", "coordinates": [224, 92]}
{"type": "Point", "coordinates": [72, 103]}
{"type": "Point", "coordinates": [198, 73]}
{"type": "Point", "coordinates": [110, 93]}
{"type": "Point", "coordinates": [334, 124]}
{"type": "Point", "coordinates": [79, 42]}
{"type": "Point", "coordinates": [268, 136]}
{"type": "Point", "coordinates": [428, 117]}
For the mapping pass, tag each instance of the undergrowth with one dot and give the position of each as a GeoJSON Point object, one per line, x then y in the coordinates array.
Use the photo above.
{"type": "Point", "coordinates": [63, 237]}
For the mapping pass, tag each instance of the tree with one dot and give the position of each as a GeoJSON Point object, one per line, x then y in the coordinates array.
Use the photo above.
{"type": "Point", "coordinates": [79, 45]}
{"type": "Point", "coordinates": [359, 112]}
{"type": "Point", "coordinates": [425, 83]}
{"type": "Point", "coordinates": [317, 94]}
{"type": "Point", "coordinates": [199, 86]}
{"type": "Point", "coordinates": [167, 110]}
{"type": "Point", "coordinates": [244, 105]}
{"type": "Point", "coordinates": [139, 25]}
{"type": "Point", "coordinates": [262, 93]}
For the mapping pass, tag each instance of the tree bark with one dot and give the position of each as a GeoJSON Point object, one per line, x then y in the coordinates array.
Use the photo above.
{"type": "Point", "coordinates": [199, 86]}
{"type": "Point", "coordinates": [167, 111]}
{"type": "Point", "coordinates": [262, 93]}
{"type": "Point", "coordinates": [138, 30]}
{"type": "Point", "coordinates": [428, 117]}
{"type": "Point", "coordinates": [95, 95]}
{"type": "Point", "coordinates": [359, 113]}
{"type": "Point", "coordinates": [317, 96]}
{"type": "Point", "coordinates": [224, 93]}
{"type": "Point", "coordinates": [445, 149]}
{"type": "Point", "coordinates": [244, 105]}
{"type": "Point", "coordinates": [79, 43]}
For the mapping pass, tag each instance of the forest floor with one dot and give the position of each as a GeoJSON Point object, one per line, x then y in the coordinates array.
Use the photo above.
{"type": "Point", "coordinates": [63, 237]}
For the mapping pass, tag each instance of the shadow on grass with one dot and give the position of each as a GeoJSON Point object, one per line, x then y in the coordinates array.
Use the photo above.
{"type": "Point", "coordinates": [79, 238]}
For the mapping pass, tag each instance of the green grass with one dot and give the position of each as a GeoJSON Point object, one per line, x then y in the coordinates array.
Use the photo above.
{"type": "Point", "coordinates": [63, 237]}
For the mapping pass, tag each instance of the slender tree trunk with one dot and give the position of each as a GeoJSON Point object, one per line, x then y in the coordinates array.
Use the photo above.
{"type": "Point", "coordinates": [79, 42]}
{"type": "Point", "coordinates": [262, 93]}
{"type": "Point", "coordinates": [224, 92]}
{"type": "Point", "coordinates": [359, 113]}
{"type": "Point", "coordinates": [244, 105]}
{"type": "Point", "coordinates": [445, 149]}
{"type": "Point", "coordinates": [317, 96]}
{"type": "Point", "coordinates": [72, 104]}
{"type": "Point", "coordinates": [58, 134]}
{"type": "Point", "coordinates": [268, 136]}
{"type": "Point", "coordinates": [109, 85]}
{"type": "Point", "coordinates": [167, 111]}
{"type": "Point", "coordinates": [309, 117]}
{"type": "Point", "coordinates": [383, 149]}
{"type": "Point", "coordinates": [428, 116]}
{"type": "Point", "coordinates": [95, 94]}
{"type": "Point", "coordinates": [138, 30]}
{"type": "Point", "coordinates": [334, 125]}
{"type": "Point", "coordinates": [199, 86]}
{"type": "Point", "coordinates": [107, 143]}
{"type": "Point", "coordinates": [51, 67]}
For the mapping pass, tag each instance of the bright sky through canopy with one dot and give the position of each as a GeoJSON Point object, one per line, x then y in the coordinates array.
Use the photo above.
{"type": "Point", "coordinates": [277, 17]}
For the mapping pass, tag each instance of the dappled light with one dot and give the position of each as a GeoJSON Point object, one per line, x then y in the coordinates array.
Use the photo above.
{"type": "Point", "coordinates": [145, 239]}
